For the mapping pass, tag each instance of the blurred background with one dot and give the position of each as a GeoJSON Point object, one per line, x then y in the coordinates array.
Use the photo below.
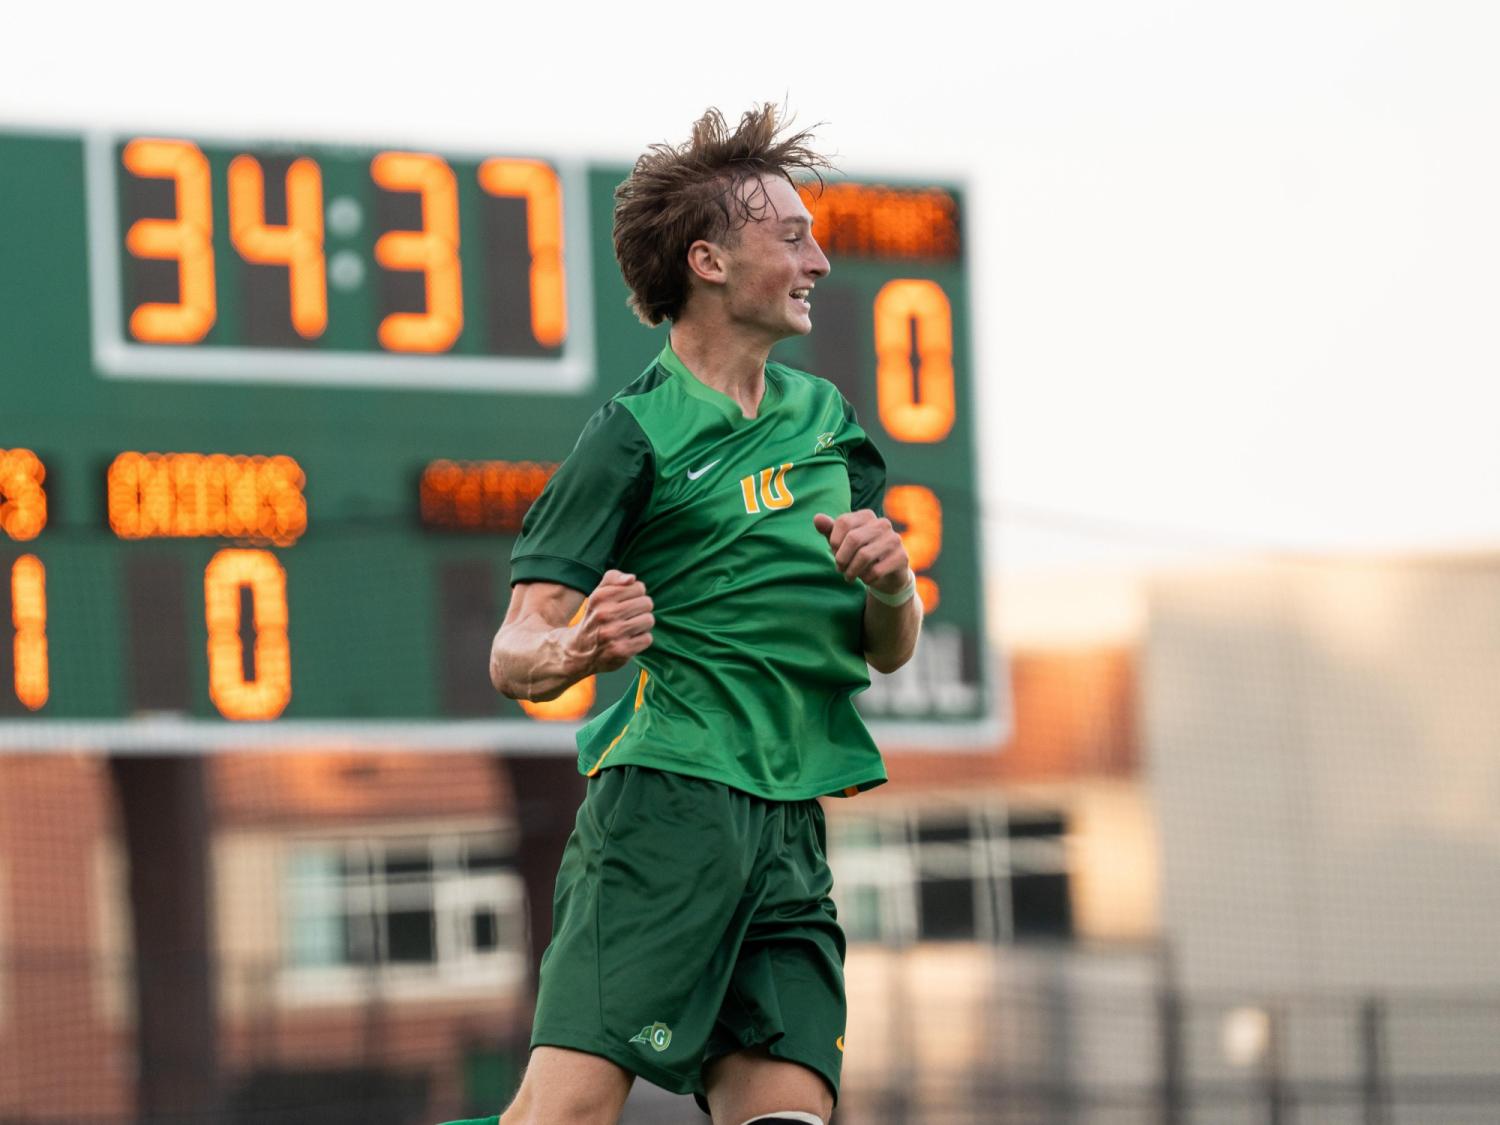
{"type": "Point", "coordinates": [1175, 324]}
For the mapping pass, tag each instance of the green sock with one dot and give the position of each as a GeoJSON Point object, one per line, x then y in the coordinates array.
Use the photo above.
{"type": "Point", "coordinates": [493, 1119]}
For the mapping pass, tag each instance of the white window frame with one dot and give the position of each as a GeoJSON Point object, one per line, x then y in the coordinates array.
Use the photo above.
{"type": "Point", "coordinates": [459, 968]}
{"type": "Point", "coordinates": [897, 863]}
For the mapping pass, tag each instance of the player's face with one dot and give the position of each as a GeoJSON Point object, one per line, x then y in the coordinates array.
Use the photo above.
{"type": "Point", "coordinates": [775, 263]}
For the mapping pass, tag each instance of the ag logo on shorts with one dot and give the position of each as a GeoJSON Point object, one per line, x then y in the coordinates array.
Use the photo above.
{"type": "Point", "coordinates": [659, 1035]}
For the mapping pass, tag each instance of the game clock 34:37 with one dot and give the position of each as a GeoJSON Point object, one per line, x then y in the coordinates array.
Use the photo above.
{"type": "Point", "coordinates": [169, 198]}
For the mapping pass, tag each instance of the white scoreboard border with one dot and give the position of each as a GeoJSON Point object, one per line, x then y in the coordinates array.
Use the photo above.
{"type": "Point", "coordinates": [117, 358]}
{"type": "Point", "coordinates": [170, 734]}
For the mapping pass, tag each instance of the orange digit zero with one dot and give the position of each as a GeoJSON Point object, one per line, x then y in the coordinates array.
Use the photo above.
{"type": "Point", "coordinates": [916, 404]}
{"type": "Point", "coordinates": [266, 694]}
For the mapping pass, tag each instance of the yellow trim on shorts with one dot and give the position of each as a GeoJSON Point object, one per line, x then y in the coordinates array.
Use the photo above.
{"type": "Point", "coordinates": [640, 697]}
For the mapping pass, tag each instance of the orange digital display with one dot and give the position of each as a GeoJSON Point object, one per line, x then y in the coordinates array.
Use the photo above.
{"type": "Point", "coordinates": [573, 704]}
{"type": "Point", "coordinates": [373, 249]}
{"type": "Point", "coordinates": [28, 610]}
{"type": "Point", "coordinates": [876, 221]}
{"type": "Point", "coordinates": [187, 240]}
{"type": "Point", "coordinates": [382, 313]}
{"type": "Point", "coordinates": [265, 694]}
{"type": "Point", "coordinates": [539, 186]}
{"type": "Point", "coordinates": [491, 496]}
{"type": "Point", "coordinates": [916, 402]}
{"type": "Point", "coordinates": [433, 251]}
{"type": "Point", "coordinates": [23, 501]}
{"type": "Point", "coordinates": [191, 495]}
{"type": "Point", "coordinates": [298, 245]}
{"type": "Point", "coordinates": [919, 509]}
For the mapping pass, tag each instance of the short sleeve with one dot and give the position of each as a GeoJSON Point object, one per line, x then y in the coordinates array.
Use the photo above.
{"type": "Point", "coordinates": [579, 524]}
{"type": "Point", "coordinates": [866, 466]}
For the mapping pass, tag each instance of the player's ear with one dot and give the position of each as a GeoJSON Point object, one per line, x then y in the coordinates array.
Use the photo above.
{"type": "Point", "coordinates": [706, 261]}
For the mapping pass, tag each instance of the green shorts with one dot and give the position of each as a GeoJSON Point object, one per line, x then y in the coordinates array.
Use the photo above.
{"type": "Point", "coordinates": [693, 920]}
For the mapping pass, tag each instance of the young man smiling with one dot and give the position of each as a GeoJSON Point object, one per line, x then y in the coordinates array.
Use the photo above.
{"type": "Point", "coordinates": [719, 518]}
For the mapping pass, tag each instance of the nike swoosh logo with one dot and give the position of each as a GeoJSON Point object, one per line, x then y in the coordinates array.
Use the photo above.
{"type": "Point", "coordinates": [695, 475]}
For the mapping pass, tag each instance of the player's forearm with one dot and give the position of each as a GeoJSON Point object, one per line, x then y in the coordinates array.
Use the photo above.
{"type": "Point", "coordinates": [535, 664]}
{"type": "Point", "coordinates": [890, 632]}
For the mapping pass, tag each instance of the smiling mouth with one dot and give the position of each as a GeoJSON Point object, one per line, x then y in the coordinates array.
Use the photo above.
{"type": "Point", "coordinates": [802, 295]}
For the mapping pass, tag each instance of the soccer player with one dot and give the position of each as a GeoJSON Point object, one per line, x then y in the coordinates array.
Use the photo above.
{"type": "Point", "coordinates": [718, 521]}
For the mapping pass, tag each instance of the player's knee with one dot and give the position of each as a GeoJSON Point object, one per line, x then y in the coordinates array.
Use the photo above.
{"type": "Point", "coordinates": [786, 1117]}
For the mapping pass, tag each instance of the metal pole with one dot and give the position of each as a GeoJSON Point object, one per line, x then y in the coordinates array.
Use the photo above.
{"type": "Point", "coordinates": [167, 826]}
{"type": "Point", "coordinates": [1278, 1103]}
{"type": "Point", "coordinates": [1169, 1020]}
{"type": "Point", "coordinates": [1373, 1060]}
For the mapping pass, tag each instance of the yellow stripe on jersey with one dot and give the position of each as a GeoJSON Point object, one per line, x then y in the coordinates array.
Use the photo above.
{"type": "Point", "coordinates": [640, 697]}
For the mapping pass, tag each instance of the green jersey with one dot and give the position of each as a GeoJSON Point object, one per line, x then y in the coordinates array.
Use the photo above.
{"type": "Point", "coordinates": [757, 650]}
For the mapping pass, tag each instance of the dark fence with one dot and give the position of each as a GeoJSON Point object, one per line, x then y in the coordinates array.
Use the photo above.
{"type": "Point", "coordinates": [1044, 1041]}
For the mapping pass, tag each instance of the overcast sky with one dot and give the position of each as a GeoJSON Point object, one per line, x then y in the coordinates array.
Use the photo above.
{"type": "Point", "coordinates": [1237, 266]}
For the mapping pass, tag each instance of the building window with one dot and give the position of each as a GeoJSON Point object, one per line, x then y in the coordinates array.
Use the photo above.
{"type": "Point", "coordinates": [445, 910]}
{"type": "Point", "coordinates": [952, 874]}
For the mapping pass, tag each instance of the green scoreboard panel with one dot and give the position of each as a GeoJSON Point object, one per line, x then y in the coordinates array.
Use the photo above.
{"type": "Point", "coordinates": [271, 414]}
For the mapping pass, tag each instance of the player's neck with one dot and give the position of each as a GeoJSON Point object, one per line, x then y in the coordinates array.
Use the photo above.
{"type": "Point", "coordinates": [726, 361]}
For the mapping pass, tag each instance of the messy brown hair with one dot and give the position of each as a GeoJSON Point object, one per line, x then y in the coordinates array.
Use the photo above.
{"type": "Point", "coordinates": [678, 194]}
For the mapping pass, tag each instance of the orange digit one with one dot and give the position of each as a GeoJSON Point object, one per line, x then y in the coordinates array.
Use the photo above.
{"type": "Point", "coordinates": [539, 186]}
{"type": "Point", "coordinates": [433, 251]}
{"type": "Point", "coordinates": [28, 610]}
{"type": "Point", "coordinates": [298, 245]}
{"type": "Point", "coordinates": [187, 239]}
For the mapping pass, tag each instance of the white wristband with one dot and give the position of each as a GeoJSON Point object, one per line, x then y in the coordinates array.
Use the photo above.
{"type": "Point", "coordinates": [902, 598]}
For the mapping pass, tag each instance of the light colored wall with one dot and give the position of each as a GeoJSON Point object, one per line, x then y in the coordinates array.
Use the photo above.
{"type": "Point", "coordinates": [1115, 864]}
{"type": "Point", "coordinates": [937, 1022]}
{"type": "Point", "coordinates": [247, 917]}
{"type": "Point", "coordinates": [1323, 751]}
{"type": "Point", "coordinates": [113, 941]}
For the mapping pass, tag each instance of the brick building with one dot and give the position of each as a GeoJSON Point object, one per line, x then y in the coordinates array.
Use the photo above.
{"type": "Point", "coordinates": [366, 919]}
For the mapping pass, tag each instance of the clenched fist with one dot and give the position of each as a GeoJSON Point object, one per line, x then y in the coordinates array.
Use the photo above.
{"type": "Point", "coordinates": [616, 624]}
{"type": "Point", "coordinates": [867, 547]}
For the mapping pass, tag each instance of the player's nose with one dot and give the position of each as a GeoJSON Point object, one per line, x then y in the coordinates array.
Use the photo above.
{"type": "Point", "coordinates": [817, 264]}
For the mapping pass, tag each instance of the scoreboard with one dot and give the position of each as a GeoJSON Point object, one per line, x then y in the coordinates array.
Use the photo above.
{"type": "Point", "coordinates": [271, 415]}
